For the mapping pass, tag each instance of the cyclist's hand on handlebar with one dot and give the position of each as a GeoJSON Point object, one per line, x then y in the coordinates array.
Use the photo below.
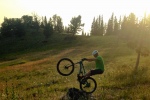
{"type": "Point", "coordinates": [84, 59]}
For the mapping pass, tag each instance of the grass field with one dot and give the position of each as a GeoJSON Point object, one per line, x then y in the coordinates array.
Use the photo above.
{"type": "Point", "coordinates": [32, 75]}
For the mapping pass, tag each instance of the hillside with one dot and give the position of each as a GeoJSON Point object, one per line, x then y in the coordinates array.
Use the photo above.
{"type": "Point", "coordinates": [31, 73]}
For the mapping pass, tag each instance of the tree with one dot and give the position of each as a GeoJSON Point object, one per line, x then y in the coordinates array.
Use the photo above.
{"type": "Point", "coordinates": [102, 27]}
{"type": "Point", "coordinates": [138, 37]}
{"type": "Point", "coordinates": [57, 24]}
{"type": "Point", "coordinates": [124, 26]}
{"type": "Point", "coordinates": [12, 28]}
{"type": "Point", "coordinates": [75, 25]}
{"type": "Point", "coordinates": [97, 27]}
{"type": "Point", "coordinates": [48, 28]}
{"type": "Point", "coordinates": [36, 22]}
{"type": "Point", "coordinates": [0, 33]}
{"type": "Point", "coordinates": [116, 26]}
{"type": "Point", "coordinates": [83, 33]}
{"type": "Point", "coordinates": [45, 21]}
{"type": "Point", "coordinates": [47, 31]}
{"type": "Point", "coordinates": [66, 29]}
{"type": "Point", "coordinates": [42, 25]}
{"type": "Point", "coordinates": [27, 21]}
{"type": "Point", "coordinates": [93, 27]}
{"type": "Point", "coordinates": [110, 26]}
{"type": "Point", "coordinates": [18, 28]}
{"type": "Point", "coordinates": [129, 25]}
{"type": "Point", "coordinates": [59, 27]}
{"type": "Point", "coordinates": [6, 28]}
{"type": "Point", "coordinates": [54, 18]}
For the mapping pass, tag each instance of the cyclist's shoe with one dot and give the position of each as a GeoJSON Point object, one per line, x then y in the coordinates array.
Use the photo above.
{"type": "Point", "coordinates": [80, 78]}
{"type": "Point", "coordinates": [87, 85]}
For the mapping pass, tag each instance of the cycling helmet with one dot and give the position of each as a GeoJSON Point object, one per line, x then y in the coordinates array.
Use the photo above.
{"type": "Point", "coordinates": [94, 52]}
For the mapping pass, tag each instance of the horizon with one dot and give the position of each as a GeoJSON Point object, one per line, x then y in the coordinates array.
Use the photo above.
{"type": "Point", "coordinates": [67, 9]}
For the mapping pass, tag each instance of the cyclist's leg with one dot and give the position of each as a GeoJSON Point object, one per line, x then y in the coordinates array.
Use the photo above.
{"type": "Point", "coordinates": [93, 72]}
{"type": "Point", "coordinates": [88, 74]}
{"type": "Point", "coordinates": [84, 76]}
{"type": "Point", "coordinates": [96, 71]}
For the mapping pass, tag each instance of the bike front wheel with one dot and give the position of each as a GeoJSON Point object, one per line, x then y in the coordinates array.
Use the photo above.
{"type": "Point", "coordinates": [65, 66]}
{"type": "Point", "coordinates": [88, 85]}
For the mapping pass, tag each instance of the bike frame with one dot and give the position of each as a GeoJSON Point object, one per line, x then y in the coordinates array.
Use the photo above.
{"type": "Point", "coordinates": [81, 70]}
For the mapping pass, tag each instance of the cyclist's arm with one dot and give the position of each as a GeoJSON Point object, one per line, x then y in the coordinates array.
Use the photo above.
{"type": "Point", "coordinates": [91, 59]}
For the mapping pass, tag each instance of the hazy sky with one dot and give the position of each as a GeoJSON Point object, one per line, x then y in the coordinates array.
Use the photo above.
{"type": "Point", "coordinates": [67, 9]}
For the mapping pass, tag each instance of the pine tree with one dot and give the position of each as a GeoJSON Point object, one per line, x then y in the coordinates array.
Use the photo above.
{"type": "Point", "coordinates": [45, 21]}
{"type": "Point", "coordinates": [93, 27]}
{"type": "Point", "coordinates": [59, 26]}
{"type": "Point", "coordinates": [42, 25]}
{"type": "Point", "coordinates": [36, 22]}
{"type": "Point", "coordinates": [102, 27]}
{"type": "Point", "coordinates": [124, 26]}
{"type": "Point", "coordinates": [116, 26]}
{"type": "Point", "coordinates": [110, 26]}
{"type": "Point", "coordinates": [97, 27]}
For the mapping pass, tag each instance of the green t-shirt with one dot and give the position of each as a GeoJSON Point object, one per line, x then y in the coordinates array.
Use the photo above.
{"type": "Point", "coordinates": [99, 63]}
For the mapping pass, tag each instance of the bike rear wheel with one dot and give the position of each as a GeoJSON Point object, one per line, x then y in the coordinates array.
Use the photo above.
{"type": "Point", "coordinates": [88, 85]}
{"type": "Point", "coordinates": [65, 66]}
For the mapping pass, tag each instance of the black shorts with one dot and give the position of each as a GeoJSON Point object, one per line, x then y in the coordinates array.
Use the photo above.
{"type": "Point", "coordinates": [96, 71]}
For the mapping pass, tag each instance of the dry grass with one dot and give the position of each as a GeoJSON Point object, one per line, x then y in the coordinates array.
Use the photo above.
{"type": "Point", "coordinates": [37, 79]}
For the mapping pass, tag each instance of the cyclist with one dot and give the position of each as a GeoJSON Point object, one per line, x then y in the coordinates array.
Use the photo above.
{"type": "Point", "coordinates": [99, 65]}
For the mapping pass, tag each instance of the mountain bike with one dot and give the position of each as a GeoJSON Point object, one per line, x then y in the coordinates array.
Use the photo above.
{"type": "Point", "coordinates": [65, 67]}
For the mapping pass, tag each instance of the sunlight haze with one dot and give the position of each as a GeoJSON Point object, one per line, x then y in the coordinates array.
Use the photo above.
{"type": "Point", "coordinates": [67, 9]}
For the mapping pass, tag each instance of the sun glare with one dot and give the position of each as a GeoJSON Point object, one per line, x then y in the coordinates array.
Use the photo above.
{"type": "Point", "coordinates": [139, 7]}
{"type": "Point", "coordinates": [67, 9]}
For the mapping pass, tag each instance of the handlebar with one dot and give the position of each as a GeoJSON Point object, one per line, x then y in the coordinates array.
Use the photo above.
{"type": "Point", "coordinates": [83, 59]}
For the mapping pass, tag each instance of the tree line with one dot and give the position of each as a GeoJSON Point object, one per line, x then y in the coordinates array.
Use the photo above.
{"type": "Point", "coordinates": [130, 28]}
{"type": "Point", "coordinates": [17, 27]}
{"type": "Point", "coordinates": [125, 25]}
